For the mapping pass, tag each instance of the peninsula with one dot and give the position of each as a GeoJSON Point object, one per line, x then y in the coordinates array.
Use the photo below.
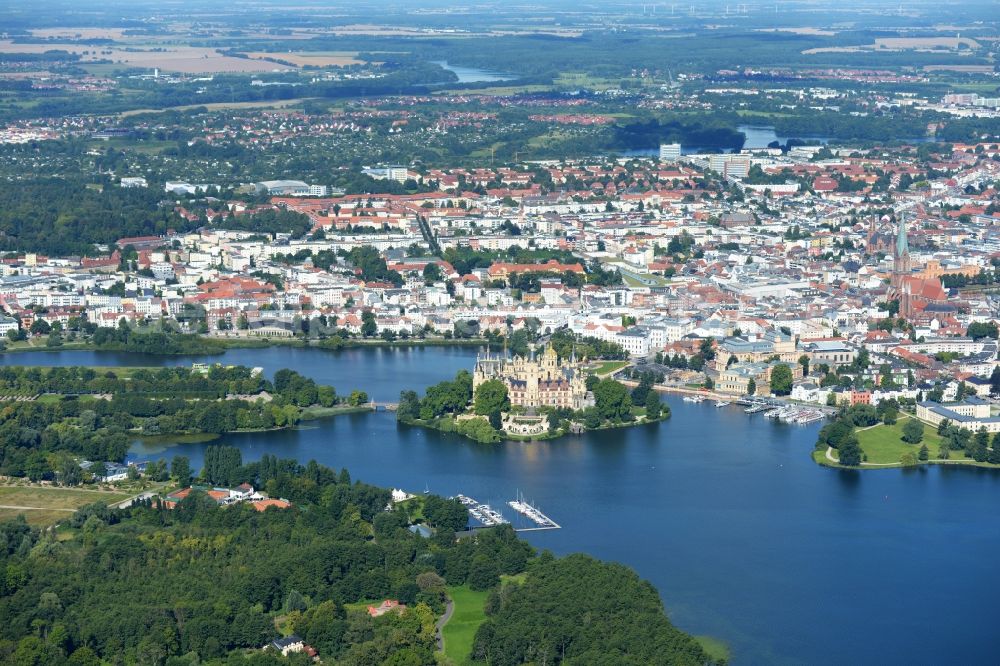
{"type": "Point", "coordinates": [75, 423]}
{"type": "Point", "coordinates": [867, 437]}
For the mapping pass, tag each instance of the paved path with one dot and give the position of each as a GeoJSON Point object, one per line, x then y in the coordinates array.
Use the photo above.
{"type": "Point", "coordinates": [34, 508]}
{"type": "Point", "coordinates": [449, 609]}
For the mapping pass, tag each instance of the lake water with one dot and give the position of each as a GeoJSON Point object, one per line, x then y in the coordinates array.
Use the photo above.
{"type": "Point", "coordinates": [757, 136]}
{"type": "Point", "coordinates": [473, 74]}
{"type": "Point", "coordinates": [745, 537]}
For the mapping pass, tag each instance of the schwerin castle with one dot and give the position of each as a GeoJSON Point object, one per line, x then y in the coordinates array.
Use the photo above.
{"type": "Point", "coordinates": [531, 382]}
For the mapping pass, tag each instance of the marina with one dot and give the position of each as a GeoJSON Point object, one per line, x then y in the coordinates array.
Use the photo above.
{"type": "Point", "coordinates": [525, 508]}
{"type": "Point", "coordinates": [484, 513]}
{"type": "Point", "coordinates": [796, 414]}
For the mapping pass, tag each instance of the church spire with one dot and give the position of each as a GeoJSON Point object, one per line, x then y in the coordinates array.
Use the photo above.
{"type": "Point", "coordinates": [902, 245]}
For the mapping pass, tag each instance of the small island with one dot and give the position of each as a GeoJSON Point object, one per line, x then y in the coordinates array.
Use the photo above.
{"type": "Point", "coordinates": [529, 398]}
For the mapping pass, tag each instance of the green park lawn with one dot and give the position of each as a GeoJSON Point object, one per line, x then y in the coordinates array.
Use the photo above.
{"type": "Point", "coordinates": [461, 629]}
{"type": "Point", "coordinates": [884, 443]}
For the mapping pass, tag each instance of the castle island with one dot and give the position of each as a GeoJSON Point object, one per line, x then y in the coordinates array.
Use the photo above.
{"type": "Point", "coordinates": [534, 396]}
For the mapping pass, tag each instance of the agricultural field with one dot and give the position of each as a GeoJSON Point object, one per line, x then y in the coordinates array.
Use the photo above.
{"type": "Point", "coordinates": [319, 59]}
{"type": "Point", "coordinates": [182, 59]}
{"type": "Point", "coordinates": [45, 505]}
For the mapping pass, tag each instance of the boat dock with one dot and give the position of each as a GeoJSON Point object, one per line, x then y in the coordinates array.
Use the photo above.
{"type": "Point", "coordinates": [484, 513]}
{"type": "Point", "coordinates": [796, 414]}
{"type": "Point", "coordinates": [528, 510]}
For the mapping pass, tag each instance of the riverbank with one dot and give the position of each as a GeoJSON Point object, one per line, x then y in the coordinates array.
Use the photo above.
{"type": "Point", "coordinates": [219, 345]}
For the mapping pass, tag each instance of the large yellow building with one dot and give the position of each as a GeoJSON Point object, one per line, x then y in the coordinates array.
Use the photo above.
{"type": "Point", "coordinates": [531, 382]}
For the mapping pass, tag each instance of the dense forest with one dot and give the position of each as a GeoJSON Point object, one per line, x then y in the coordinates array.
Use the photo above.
{"type": "Point", "coordinates": [269, 221]}
{"type": "Point", "coordinates": [65, 217]}
{"type": "Point", "coordinates": [208, 584]}
{"type": "Point", "coordinates": [569, 610]}
{"type": "Point", "coordinates": [94, 415]}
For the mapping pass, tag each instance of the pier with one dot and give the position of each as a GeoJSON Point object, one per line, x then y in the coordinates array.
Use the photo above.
{"type": "Point", "coordinates": [484, 513]}
{"type": "Point", "coordinates": [528, 510]}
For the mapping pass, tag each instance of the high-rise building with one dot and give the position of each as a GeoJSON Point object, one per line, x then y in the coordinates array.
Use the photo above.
{"type": "Point", "coordinates": [737, 166]}
{"type": "Point", "coordinates": [729, 164]}
{"type": "Point", "coordinates": [670, 152]}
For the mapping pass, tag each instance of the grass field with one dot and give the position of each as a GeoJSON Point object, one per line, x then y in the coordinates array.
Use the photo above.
{"type": "Point", "coordinates": [884, 444]}
{"type": "Point", "coordinates": [318, 59]}
{"type": "Point", "coordinates": [46, 505]}
{"type": "Point", "coordinates": [461, 628]}
{"type": "Point", "coordinates": [606, 367]}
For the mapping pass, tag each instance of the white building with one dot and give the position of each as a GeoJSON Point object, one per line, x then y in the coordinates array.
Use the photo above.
{"type": "Point", "coordinates": [636, 341]}
{"type": "Point", "coordinates": [670, 152]}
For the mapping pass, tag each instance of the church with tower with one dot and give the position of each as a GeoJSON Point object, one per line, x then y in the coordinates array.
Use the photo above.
{"type": "Point", "coordinates": [914, 292]}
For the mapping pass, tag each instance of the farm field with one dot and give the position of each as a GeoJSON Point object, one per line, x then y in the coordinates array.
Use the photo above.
{"type": "Point", "coordinates": [328, 59]}
{"type": "Point", "coordinates": [43, 505]}
{"type": "Point", "coordinates": [183, 59]}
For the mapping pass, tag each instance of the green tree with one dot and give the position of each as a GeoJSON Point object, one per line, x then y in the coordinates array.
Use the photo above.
{"type": "Point", "coordinates": [751, 387]}
{"type": "Point", "coordinates": [653, 405]}
{"type": "Point", "coordinates": [491, 397]}
{"type": "Point", "coordinates": [980, 443]}
{"type": "Point", "coordinates": [924, 453]}
{"type": "Point", "coordinates": [913, 431]}
{"type": "Point", "coordinates": [994, 456]}
{"type": "Point", "coordinates": [612, 400]}
{"type": "Point", "coordinates": [368, 326]}
{"type": "Point", "coordinates": [409, 406]}
{"type": "Point", "coordinates": [484, 573]}
{"type": "Point", "coordinates": [781, 379]}
{"type": "Point", "coordinates": [849, 452]}
{"type": "Point", "coordinates": [180, 469]}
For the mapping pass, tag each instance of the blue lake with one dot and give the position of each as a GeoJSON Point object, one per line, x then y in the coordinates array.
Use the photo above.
{"type": "Point", "coordinates": [745, 537]}
{"type": "Point", "coordinates": [473, 74]}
